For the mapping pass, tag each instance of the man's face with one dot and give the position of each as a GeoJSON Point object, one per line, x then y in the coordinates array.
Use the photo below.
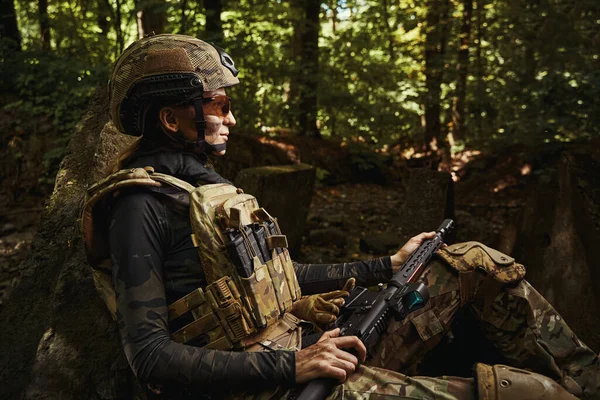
{"type": "Point", "coordinates": [217, 127]}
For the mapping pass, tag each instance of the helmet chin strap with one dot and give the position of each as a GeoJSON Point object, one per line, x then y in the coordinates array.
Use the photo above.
{"type": "Point", "coordinates": [201, 144]}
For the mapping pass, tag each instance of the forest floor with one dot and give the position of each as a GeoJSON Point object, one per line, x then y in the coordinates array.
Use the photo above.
{"type": "Point", "coordinates": [488, 203]}
{"type": "Point", "coordinates": [488, 200]}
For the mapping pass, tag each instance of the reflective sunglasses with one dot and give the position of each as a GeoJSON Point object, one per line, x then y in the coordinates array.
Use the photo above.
{"type": "Point", "coordinates": [219, 105]}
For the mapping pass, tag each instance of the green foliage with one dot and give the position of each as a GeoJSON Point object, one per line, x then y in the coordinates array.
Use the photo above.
{"type": "Point", "coordinates": [52, 85]}
{"type": "Point", "coordinates": [258, 36]}
{"type": "Point", "coordinates": [54, 88]}
{"type": "Point", "coordinates": [539, 72]}
{"type": "Point", "coordinates": [366, 164]}
{"type": "Point", "coordinates": [322, 175]}
{"type": "Point", "coordinates": [533, 71]}
{"type": "Point", "coordinates": [368, 91]}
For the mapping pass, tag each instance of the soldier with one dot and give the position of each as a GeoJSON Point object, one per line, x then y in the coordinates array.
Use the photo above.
{"type": "Point", "coordinates": [171, 91]}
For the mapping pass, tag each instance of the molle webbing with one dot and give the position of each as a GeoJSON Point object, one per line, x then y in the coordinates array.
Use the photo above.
{"type": "Point", "coordinates": [246, 263]}
{"type": "Point", "coordinates": [217, 314]}
{"type": "Point", "coordinates": [227, 325]}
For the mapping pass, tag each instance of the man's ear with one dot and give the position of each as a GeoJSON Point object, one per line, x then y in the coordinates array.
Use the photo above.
{"type": "Point", "coordinates": [168, 119]}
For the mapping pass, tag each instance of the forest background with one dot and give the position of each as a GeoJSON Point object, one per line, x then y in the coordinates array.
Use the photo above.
{"type": "Point", "coordinates": [501, 94]}
{"type": "Point", "coordinates": [490, 91]}
{"type": "Point", "coordinates": [396, 76]}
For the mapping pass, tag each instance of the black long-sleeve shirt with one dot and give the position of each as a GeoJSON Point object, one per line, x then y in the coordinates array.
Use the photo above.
{"type": "Point", "coordinates": [155, 263]}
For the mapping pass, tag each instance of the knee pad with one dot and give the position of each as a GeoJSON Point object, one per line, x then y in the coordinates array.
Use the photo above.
{"type": "Point", "coordinates": [469, 256]}
{"type": "Point", "coordinates": [502, 382]}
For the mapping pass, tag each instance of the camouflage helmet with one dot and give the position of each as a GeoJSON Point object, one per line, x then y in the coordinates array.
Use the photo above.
{"type": "Point", "coordinates": [165, 68]}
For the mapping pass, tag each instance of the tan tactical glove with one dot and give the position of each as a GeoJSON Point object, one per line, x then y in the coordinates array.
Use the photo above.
{"type": "Point", "coordinates": [322, 309]}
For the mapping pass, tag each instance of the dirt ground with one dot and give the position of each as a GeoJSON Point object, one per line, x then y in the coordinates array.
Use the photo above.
{"type": "Point", "coordinates": [18, 226]}
{"type": "Point", "coordinates": [490, 193]}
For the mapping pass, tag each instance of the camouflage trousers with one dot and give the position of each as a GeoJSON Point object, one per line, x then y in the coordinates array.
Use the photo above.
{"type": "Point", "coordinates": [376, 383]}
{"type": "Point", "coordinates": [514, 318]}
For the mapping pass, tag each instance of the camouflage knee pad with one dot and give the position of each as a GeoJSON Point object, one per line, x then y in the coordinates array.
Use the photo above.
{"type": "Point", "coordinates": [501, 382]}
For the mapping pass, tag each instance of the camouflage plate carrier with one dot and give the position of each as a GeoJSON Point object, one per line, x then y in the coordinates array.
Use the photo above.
{"type": "Point", "coordinates": [237, 310]}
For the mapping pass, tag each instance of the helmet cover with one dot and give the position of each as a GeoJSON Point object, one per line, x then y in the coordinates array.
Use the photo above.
{"type": "Point", "coordinates": [164, 67]}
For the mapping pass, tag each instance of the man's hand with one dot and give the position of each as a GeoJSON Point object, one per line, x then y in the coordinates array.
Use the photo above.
{"type": "Point", "coordinates": [326, 359]}
{"type": "Point", "coordinates": [322, 309]}
{"type": "Point", "coordinates": [413, 244]}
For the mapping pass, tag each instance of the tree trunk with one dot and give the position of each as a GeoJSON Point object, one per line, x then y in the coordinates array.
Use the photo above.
{"type": "Point", "coordinates": [214, 25]}
{"type": "Point", "coordinates": [297, 18]}
{"type": "Point", "coordinates": [308, 68]}
{"type": "Point", "coordinates": [334, 16]}
{"type": "Point", "coordinates": [183, 25]}
{"type": "Point", "coordinates": [559, 235]}
{"type": "Point", "coordinates": [389, 30]}
{"type": "Point", "coordinates": [120, 38]}
{"type": "Point", "coordinates": [151, 17]}
{"type": "Point", "coordinates": [480, 91]}
{"type": "Point", "coordinates": [435, 44]}
{"type": "Point", "coordinates": [56, 335]}
{"type": "Point", "coordinates": [462, 70]}
{"type": "Point", "coordinates": [44, 23]}
{"type": "Point", "coordinates": [532, 25]}
{"type": "Point", "coordinates": [9, 30]}
{"type": "Point", "coordinates": [103, 17]}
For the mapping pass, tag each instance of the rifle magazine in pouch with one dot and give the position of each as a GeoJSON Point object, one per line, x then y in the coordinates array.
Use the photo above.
{"type": "Point", "coordinates": [275, 267]}
{"type": "Point", "coordinates": [260, 295]}
{"type": "Point", "coordinates": [237, 252]}
{"type": "Point", "coordinates": [259, 232]}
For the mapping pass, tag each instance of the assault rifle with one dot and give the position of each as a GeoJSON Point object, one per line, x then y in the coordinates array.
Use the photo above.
{"type": "Point", "coordinates": [367, 314]}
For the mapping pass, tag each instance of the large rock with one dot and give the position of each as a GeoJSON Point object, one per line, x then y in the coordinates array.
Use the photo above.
{"type": "Point", "coordinates": [57, 339]}
{"type": "Point", "coordinates": [429, 200]}
{"type": "Point", "coordinates": [328, 237]}
{"type": "Point", "coordinates": [248, 151]}
{"type": "Point", "coordinates": [559, 239]}
{"type": "Point", "coordinates": [285, 191]}
{"type": "Point", "coordinates": [380, 243]}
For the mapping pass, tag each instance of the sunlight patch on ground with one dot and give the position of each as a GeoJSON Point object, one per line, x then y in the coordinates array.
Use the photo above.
{"type": "Point", "coordinates": [385, 149]}
{"type": "Point", "coordinates": [411, 152]}
{"type": "Point", "coordinates": [526, 169]}
{"type": "Point", "coordinates": [504, 183]}
{"type": "Point", "coordinates": [9, 248]}
{"type": "Point", "coordinates": [459, 160]}
{"type": "Point", "coordinates": [290, 150]}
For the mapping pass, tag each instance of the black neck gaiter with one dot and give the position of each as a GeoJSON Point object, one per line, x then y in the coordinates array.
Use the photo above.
{"type": "Point", "coordinates": [159, 154]}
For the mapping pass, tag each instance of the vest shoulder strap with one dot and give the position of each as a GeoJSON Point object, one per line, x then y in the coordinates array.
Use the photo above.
{"type": "Point", "coordinates": [95, 210]}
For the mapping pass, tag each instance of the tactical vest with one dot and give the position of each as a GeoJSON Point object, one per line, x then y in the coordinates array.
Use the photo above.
{"type": "Point", "coordinates": [251, 283]}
